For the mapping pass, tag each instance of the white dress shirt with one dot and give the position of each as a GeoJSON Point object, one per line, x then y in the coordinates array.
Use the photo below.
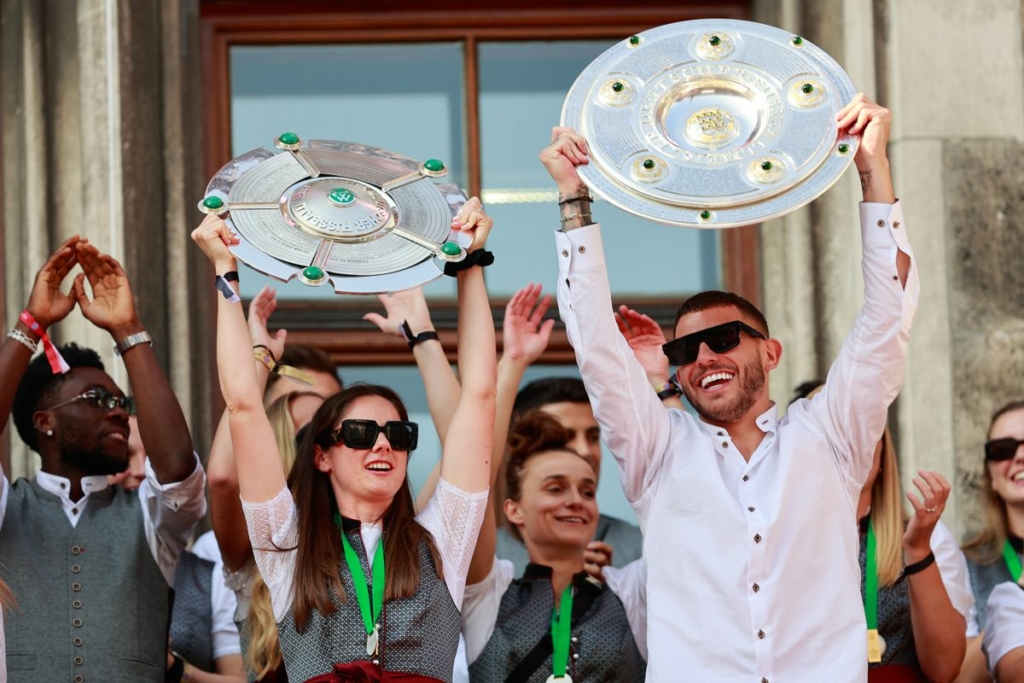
{"type": "Point", "coordinates": [169, 511]}
{"type": "Point", "coordinates": [753, 571]}
{"type": "Point", "coordinates": [1004, 629]}
{"type": "Point", "coordinates": [222, 599]}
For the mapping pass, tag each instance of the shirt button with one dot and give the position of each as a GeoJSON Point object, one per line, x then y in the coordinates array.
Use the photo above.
{"type": "Point", "coordinates": [725, 444]}
{"type": "Point", "coordinates": [721, 433]}
{"type": "Point", "coordinates": [565, 252]}
{"type": "Point", "coordinates": [75, 568]}
{"type": "Point", "coordinates": [881, 224]}
{"type": "Point", "coordinates": [750, 509]}
{"type": "Point", "coordinates": [746, 477]}
{"type": "Point", "coordinates": [582, 250]}
{"type": "Point", "coordinates": [74, 511]}
{"type": "Point", "coordinates": [756, 588]}
{"type": "Point", "coordinates": [76, 587]}
{"type": "Point", "coordinates": [757, 538]}
{"type": "Point", "coordinates": [77, 642]}
{"type": "Point", "coordinates": [896, 224]}
{"type": "Point", "coordinates": [764, 680]}
{"type": "Point", "coordinates": [760, 634]}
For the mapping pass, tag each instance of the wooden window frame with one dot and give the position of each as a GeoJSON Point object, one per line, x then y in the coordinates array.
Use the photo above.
{"type": "Point", "coordinates": [339, 328]}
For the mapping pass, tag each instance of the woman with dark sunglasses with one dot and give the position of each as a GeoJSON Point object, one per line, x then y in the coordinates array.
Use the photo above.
{"type": "Point", "coordinates": [362, 587]}
{"type": "Point", "coordinates": [994, 554]}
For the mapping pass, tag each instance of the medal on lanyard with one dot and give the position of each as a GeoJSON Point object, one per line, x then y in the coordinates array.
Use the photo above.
{"type": "Point", "coordinates": [561, 626]}
{"type": "Point", "coordinates": [1012, 560]}
{"type": "Point", "coordinates": [370, 612]}
{"type": "Point", "coordinates": [876, 643]}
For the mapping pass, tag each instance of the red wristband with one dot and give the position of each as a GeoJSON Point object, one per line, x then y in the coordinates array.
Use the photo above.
{"type": "Point", "coordinates": [57, 362]}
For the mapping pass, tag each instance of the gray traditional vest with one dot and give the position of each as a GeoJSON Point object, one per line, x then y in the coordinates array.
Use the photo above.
{"type": "Point", "coordinates": [92, 602]}
{"type": "Point", "coordinates": [418, 635]}
{"type": "Point", "coordinates": [985, 577]}
{"type": "Point", "coordinates": [893, 617]}
{"type": "Point", "coordinates": [192, 618]}
{"type": "Point", "coordinates": [602, 648]}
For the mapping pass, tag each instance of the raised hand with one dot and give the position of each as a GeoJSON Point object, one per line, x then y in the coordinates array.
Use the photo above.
{"type": "Point", "coordinates": [213, 236]}
{"type": "Point", "coordinates": [927, 509]}
{"type": "Point", "coordinates": [872, 123]}
{"type": "Point", "coordinates": [472, 220]}
{"type": "Point", "coordinates": [525, 333]}
{"type": "Point", "coordinates": [47, 303]}
{"type": "Point", "coordinates": [646, 338]}
{"type": "Point", "coordinates": [112, 305]}
{"type": "Point", "coordinates": [596, 557]}
{"type": "Point", "coordinates": [260, 308]}
{"type": "Point", "coordinates": [409, 306]}
{"type": "Point", "coordinates": [568, 149]}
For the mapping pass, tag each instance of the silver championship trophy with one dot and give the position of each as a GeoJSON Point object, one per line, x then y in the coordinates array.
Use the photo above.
{"type": "Point", "coordinates": [712, 123]}
{"type": "Point", "coordinates": [340, 212]}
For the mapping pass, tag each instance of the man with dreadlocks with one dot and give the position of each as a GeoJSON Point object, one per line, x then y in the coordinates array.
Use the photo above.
{"type": "Point", "coordinates": [91, 565]}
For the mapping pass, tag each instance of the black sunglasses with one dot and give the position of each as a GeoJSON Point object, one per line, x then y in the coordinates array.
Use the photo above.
{"type": "Point", "coordinates": [719, 339]}
{"type": "Point", "coordinates": [1002, 449]}
{"type": "Point", "coordinates": [402, 436]}
{"type": "Point", "coordinates": [103, 399]}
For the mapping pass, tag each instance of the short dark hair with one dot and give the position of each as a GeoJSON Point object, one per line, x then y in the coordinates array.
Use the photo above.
{"type": "Point", "coordinates": [547, 390]}
{"type": "Point", "coordinates": [305, 357]}
{"type": "Point", "coordinates": [40, 385]}
{"type": "Point", "coordinates": [716, 299]}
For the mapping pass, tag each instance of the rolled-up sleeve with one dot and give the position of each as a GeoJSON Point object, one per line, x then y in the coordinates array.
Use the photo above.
{"type": "Point", "coordinates": [170, 513]}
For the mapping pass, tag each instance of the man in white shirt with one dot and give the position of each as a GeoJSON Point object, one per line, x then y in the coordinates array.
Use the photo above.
{"type": "Point", "coordinates": [749, 520]}
{"type": "Point", "coordinates": [91, 565]}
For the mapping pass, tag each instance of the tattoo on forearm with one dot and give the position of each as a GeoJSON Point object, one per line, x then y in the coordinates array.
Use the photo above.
{"type": "Point", "coordinates": [865, 180]}
{"type": "Point", "coordinates": [581, 190]}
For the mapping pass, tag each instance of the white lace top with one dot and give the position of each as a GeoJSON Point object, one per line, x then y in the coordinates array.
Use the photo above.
{"type": "Point", "coordinates": [452, 516]}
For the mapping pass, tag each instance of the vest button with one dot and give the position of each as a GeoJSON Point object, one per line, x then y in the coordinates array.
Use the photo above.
{"type": "Point", "coordinates": [75, 568]}
{"type": "Point", "coordinates": [79, 679]}
{"type": "Point", "coordinates": [78, 661]}
{"type": "Point", "coordinates": [77, 642]}
{"type": "Point", "coordinates": [76, 550]}
{"type": "Point", "coordinates": [77, 604]}
{"type": "Point", "coordinates": [76, 587]}
{"type": "Point", "coordinates": [76, 622]}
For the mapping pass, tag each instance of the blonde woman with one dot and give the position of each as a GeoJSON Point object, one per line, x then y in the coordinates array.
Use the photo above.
{"type": "Point", "coordinates": [917, 599]}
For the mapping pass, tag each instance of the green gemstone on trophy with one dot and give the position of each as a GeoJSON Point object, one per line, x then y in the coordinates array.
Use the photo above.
{"type": "Point", "coordinates": [648, 164]}
{"type": "Point", "coordinates": [634, 40]}
{"type": "Point", "coordinates": [807, 88]}
{"type": "Point", "coordinates": [312, 273]}
{"type": "Point", "coordinates": [705, 214]}
{"type": "Point", "coordinates": [797, 40]}
{"type": "Point", "coordinates": [288, 139]}
{"type": "Point", "coordinates": [213, 203]}
{"type": "Point", "coordinates": [843, 148]}
{"type": "Point", "coordinates": [617, 86]}
{"type": "Point", "coordinates": [450, 249]}
{"type": "Point", "coordinates": [433, 165]}
{"type": "Point", "coordinates": [342, 196]}
{"type": "Point", "coordinates": [715, 41]}
{"type": "Point", "coordinates": [766, 165]}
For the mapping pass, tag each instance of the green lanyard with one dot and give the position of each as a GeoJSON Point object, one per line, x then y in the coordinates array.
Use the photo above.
{"type": "Point", "coordinates": [561, 625]}
{"type": "Point", "coordinates": [871, 596]}
{"type": "Point", "coordinates": [1012, 560]}
{"type": "Point", "coordinates": [362, 592]}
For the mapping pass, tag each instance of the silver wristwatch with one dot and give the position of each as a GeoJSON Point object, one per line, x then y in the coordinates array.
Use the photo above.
{"type": "Point", "coordinates": [132, 340]}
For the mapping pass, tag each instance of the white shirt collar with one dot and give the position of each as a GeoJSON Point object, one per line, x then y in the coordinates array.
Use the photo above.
{"type": "Point", "coordinates": [768, 421]}
{"type": "Point", "coordinates": [61, 486]}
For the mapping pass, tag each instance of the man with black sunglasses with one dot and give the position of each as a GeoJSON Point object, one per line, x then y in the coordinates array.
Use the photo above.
{"type": "Point", "coordinates": [91, 565]}
{"type": "Point", "coordinates": [749, 525]}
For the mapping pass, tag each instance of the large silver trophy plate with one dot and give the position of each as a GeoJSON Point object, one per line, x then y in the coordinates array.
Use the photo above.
{"type": "Point", "coordinates": [361, 218]}
{"type": "Point", "coordinates": [711, 124]}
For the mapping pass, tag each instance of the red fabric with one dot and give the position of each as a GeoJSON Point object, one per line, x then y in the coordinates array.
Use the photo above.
{"type": "Point", "coordinates": [895, 673]}
{"type": "Point", "coordinates": [367, 672]}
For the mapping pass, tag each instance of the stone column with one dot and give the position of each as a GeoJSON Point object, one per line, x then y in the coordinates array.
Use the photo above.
{"type": "Point", "coordinates": [101, 111]}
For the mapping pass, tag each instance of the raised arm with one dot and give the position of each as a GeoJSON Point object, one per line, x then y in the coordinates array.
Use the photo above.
{"type": "Point", "coordinates": [939, 629]}
{"type": "Point", "coordinates": [226, 515]}
{"type": "Point", "coordinates": [47, 304]}
{"type": "Point", "coordinates": [162, 424]}
{"type": "Point", "coordinates": [260, 473]}
{"type": "Point", "coordinates": [468, 445]}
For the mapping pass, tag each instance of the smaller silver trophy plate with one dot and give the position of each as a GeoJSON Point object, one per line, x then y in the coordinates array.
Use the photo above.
{"type": "Point", "coordinates": [364, 219]}
{"type": "Point", "coordinates": [711, 124]}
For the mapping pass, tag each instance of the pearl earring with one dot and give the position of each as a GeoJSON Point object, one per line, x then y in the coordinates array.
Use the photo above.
{"type": "Point", "coordinates": [49, 432]}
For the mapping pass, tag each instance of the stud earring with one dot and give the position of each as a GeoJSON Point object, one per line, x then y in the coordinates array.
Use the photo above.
{"type": "Point", "coordinates": [323, 468]}
{"type": "Point", "coordinates": [49, 432]}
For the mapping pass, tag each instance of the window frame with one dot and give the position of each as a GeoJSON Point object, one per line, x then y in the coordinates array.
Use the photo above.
{"type": "Point", "coordinates": [339, 328]}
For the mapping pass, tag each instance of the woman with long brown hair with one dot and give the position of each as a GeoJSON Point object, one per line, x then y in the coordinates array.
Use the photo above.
{"type": "Point", "coordinates": [362, 587]}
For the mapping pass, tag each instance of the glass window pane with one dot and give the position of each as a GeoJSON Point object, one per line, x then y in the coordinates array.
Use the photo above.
{"type": "Point", "coordinates": [406, 98]}
{"type": "Point", "coordinates": [522, 87]}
